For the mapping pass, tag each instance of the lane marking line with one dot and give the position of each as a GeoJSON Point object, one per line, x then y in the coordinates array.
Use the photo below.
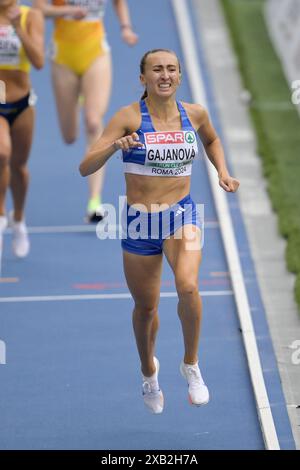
{"type": "Point", "coordinates": [60, 298]}
{"type": "Point", "coordinates": [7, 280]}
{"type": "Point", "coordinates": [210, 224]}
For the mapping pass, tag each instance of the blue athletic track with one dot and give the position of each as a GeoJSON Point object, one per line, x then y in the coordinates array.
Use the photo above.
{"type": "Point", "coordinates": [71, 378]}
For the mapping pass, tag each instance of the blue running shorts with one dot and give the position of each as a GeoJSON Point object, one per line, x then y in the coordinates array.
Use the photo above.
{"type": "Point", "coordinates": [143, 233]}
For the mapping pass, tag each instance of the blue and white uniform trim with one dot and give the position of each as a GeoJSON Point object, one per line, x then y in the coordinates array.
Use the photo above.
{"type": "Point", "coordinates": [164, 153]}
{"type": "Point", "coordinates": [143, 233]}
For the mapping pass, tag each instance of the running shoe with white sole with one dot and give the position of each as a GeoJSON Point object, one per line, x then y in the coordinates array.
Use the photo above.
{"type": "Point", "coordinates": [95, 216]}
{"type": "Point", "coordinates": [152, 394]}
{"type": "Point", "coordinates": [3, 225]}
{"type": "Point", "coordinates": [95, 211]}
{"type": "Point", "coordinates": [20, 241]}
{"type": "Point", "coordinates": [198, 391]}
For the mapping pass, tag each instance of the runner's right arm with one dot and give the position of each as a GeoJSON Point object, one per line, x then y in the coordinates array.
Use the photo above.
{"type": "Point", "coordinates": [57, 11]}
{"type": "Point", "coordinates": [115, 136]}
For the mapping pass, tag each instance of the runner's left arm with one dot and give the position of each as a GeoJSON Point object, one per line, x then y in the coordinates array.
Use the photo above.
{"type": "Point", "coordinates": [122, 12]}
{"type": "Point", "coordinates": [214, 150]}
{"type": "Point", "coordinates": [33, 37]}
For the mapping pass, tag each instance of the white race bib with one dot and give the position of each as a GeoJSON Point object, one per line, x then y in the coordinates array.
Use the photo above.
{"type": "Point", "coordinates": [170, 153]}
{"type": "Point", "coordinates": [10, 46]}
{"type": "Point", "coordinates": [95, 8]}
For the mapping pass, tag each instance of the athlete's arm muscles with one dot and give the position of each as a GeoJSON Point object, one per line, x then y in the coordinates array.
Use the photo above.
{"type": "Point", "coordinates": [215, 152]}
{"type": "Point", "coordinates": [122, 12]}
{"type": "Point", "coordinates": [211, 142]}
{"type": "Point", "coordinates": [35, 48]}
{"type": "Point", "coordinates": [110, 141]}
{"type": "Point", "coordinates": [56, 11]}
{"type": "Point", "coordinates": [121, 9]}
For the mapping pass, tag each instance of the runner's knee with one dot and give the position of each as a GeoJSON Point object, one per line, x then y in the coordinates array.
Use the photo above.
{"type": "Point", "coordinates": [19, 168]}
{"type": "Point", "coordinates": [93, 123]}
{"type": "Point", "coordinates": [147, 310]}
{"type": "Point", "coordinates": [186, 287]}
{"type": "Point", "coordinates": [4, 155]}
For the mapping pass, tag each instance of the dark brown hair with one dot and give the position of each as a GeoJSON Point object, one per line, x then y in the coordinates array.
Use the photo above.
{"type": "Point", "coordinates": [144, 60]}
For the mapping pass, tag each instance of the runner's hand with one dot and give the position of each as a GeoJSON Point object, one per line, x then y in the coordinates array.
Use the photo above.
{"type": "Point", "coordinates": [128, 141]}
{"type": "Point", "coordinates": [129, 36]}
{"type": "Point", "coordinates": [14, 16]}
{"type": "Point", "coordinates": [78, 12]}
{"type": "Point", "coordinates": [228, 183]}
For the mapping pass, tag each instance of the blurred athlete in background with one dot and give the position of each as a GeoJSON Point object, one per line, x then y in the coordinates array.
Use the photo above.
{"type": "Point", "coordinates": [22, 44]}
{"type": "Point", "coordinates": [81, 67]}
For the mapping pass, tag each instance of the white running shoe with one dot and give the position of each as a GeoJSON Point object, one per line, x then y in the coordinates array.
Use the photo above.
{"type": "Point", "coordinates": [20, 242]}
{"type": "Point", "coordinates": [198, 391]}
{"type": "Point", "coordinates": [152, 394]}
{"type": "Point", "coordinates": [3, 225]}
{"type": "Point", "coordinates": [95, 215]}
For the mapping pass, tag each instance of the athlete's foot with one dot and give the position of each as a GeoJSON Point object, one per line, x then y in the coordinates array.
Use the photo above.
{"type": "Point", "coordinates": [3, 225]}
{"type": "Point", "coordinates": [95, 211]}
{"type": "Point", "coordinates": [152, 394]}
{"type": "Point", "coordinates": [20, 241]}
{"type": "Point", "coordinates": [198, 391]}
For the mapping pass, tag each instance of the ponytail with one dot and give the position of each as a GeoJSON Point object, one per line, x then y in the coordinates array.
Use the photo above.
{"type": "Point", "coordinates": [144, 95]}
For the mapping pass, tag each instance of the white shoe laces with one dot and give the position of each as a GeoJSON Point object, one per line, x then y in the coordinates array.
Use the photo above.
{"type": "Point", "coordinates": [194, 376]}
{"type": "Point", "coordinates": [148, 388]}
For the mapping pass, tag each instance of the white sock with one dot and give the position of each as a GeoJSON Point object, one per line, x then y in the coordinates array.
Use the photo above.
{"type": "Point", "coordinates": [3, 223]}
{"type": "Point", "coordinates": [20, 226]}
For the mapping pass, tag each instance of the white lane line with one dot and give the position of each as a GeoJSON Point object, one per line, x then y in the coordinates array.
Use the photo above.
{"type": "Point", "coordinates": [51, 298]}
{"type": "Point", "coordinates": [62, 229]}
{"type": "Point", "coordinates": [187, 39]}
{"type": "Point", "coordinates": [1, 252]}
{"type": "Point", "coordinates": [113, 229]}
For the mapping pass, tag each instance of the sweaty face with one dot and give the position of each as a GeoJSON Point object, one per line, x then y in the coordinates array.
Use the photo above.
{"type": "Point", "coordinates": [161, 75]}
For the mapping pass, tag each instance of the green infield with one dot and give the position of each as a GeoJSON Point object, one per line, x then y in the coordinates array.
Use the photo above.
{"type": "Point", "coordinates": [275, 118]}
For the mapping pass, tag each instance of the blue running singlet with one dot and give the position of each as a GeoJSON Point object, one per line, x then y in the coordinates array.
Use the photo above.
{"type": "Point", "coordinates": [165, 153]}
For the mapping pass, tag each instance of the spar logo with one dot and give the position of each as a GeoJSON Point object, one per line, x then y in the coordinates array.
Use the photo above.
{"type": "Point", "coordinates": [189, 137]}
{"type": "Point", "coordinates": [176, 137]}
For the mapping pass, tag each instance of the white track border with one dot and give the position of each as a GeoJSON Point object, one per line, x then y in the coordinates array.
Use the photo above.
{"type": "Point", "coordinates": [187, 40]}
